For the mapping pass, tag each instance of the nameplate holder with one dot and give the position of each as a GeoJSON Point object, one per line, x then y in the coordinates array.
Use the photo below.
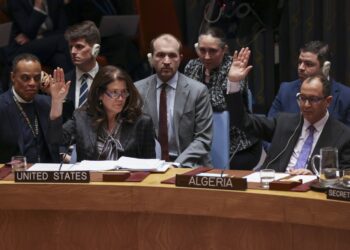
{"type": "Point", "coordinates": [52, 176]}
{"type": "Point", "coordinates": [338, 193]}
{"type": "Point", "coordinates": [283, 185]}
{"type": "Point", "coordinates": [115, 176]}
{"type": "Point", "coordinates": [194, 181]}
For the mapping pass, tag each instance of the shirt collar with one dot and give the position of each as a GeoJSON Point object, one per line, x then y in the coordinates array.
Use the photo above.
{"type": "Point", "coordinates": [91, 73]}
{"type": "Point", "coordinates": [319, 124]}
{"type": "Point", "coordinates": [18, 98]}
{"type": "Point", "coordinates": [172, 82]}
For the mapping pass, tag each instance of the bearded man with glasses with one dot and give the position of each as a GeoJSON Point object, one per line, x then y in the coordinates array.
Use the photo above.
{"type": "Point", "coordinates": [294, 138]}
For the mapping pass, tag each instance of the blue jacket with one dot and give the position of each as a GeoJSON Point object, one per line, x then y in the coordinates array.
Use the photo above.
{"type": "Point", "coordinates": [285, 100]}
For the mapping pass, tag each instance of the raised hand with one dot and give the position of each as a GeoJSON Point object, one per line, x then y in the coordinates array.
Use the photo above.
{"type": "Point", "coordinates": [239, 69]}
{"type": "Point", "coordinates": [58, 87]}
{"type": "Point", "coordinates": [59, 90]}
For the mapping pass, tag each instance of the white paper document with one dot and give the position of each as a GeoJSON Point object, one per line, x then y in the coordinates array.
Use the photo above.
{"type": "Point", "coordinates": [255, 177]}
{"type": "Point", "coordinates": [50, 167]}
{"type": "Point", "coordinates": [212, 175]}
{"type": "Point", "coordinates": [95, 165]}
{"type": "Point", "coordinates": [136, 164]}
{"type": "Point", "coordinates": [124, 163]}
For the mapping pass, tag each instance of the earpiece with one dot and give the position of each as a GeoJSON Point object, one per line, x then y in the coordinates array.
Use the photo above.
{"type": "Point", "coordinates": [196, 47]}
{"type": "Point", "coordinates": [326, 68]}
{"type": "Point", "coordinates": [296, 96]}
{"type": "Point", "coordinates": [95, 50]}
{"type": "Point", "coordinates": [150, 59]}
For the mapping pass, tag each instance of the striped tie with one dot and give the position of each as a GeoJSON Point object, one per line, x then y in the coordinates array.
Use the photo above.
{"type": "Point", "coordinates": [83, 89]}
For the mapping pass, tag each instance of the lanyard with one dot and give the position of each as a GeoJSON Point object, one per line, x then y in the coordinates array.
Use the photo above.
{"type": "Point", "coordinates": [35, 130]}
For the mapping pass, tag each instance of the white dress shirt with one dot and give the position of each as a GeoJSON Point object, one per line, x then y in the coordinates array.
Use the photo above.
{"type": "Point", "coordinates": [304, 134]}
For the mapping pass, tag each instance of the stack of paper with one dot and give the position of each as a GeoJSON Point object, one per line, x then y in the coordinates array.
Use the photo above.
{"type": "Point", "coordinates": [124, 163]}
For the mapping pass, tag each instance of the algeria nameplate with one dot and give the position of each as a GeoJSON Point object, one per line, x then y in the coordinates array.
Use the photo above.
{"type": "Point", "coordinates": [52, 176]}
{"type": "Point", "coordinates": [213, 182]}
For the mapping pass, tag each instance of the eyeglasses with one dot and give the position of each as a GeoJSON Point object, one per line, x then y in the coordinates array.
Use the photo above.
{"type": "Point", "coordinates": [117, 94]}
{"type": "Point", "coordinates": [310, 99]}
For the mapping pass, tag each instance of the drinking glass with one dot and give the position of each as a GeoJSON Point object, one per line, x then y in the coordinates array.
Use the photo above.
{"type": "Point", "coordinates": [346, 178]}
{"type": "Point", "coordinates": [266, 176]}
{"type": "Point", "coordinates": [18, 163]}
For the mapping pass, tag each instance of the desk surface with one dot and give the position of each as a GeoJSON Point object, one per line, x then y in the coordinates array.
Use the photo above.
{"type": "Point", "coordinates": [290, 216]}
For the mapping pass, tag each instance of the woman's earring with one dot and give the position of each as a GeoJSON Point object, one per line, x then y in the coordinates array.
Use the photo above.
{"type": "Point", "coordinates": [100, 103]}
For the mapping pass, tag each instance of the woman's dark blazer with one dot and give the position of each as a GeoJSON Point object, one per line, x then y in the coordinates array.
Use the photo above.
{"type": "Point", "coordinates": [137, 139]}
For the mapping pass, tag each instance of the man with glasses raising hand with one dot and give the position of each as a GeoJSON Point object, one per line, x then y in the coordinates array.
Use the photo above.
{"type": "Point", "coordinates": [294, 138]}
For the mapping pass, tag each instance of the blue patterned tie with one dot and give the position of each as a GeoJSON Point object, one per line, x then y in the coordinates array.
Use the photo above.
{"type": "Point", "coordinates": [306, 149]}
{"type": "Point", "coordinates": [83, 90]}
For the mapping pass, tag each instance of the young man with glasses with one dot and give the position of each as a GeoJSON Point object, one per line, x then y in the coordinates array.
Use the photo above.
{"type": "Point", "coordinates": [294, 138]}
{"type": "Point", "coordinates": [314, 58]}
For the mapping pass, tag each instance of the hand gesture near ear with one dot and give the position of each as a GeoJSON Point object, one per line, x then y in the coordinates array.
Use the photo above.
{"type": "Point", "coordinates": [239, 69]}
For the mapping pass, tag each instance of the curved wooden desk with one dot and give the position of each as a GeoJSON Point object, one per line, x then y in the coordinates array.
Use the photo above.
{"type": "Point", "coordinates": [150, 215]}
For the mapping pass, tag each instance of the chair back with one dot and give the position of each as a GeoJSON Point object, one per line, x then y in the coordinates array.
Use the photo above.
{"type": "Point", "coordinates": [220, 148]}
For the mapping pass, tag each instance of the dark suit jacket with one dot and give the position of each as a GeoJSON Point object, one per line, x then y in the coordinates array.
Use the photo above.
{"type": "Point", "coordinates": [285, 100]}
{"type": "Point", "coordinates": [280, 130]}
{"type": "Point", "coordinates": [11, 138]}
{"type": "Point", "coordinates": [192, 117]}
{"type": "Point", "coordinates": [79, 10]}
{"type": "Point", "coordinates": [28, 21]}
{"type": "Point", "coordinates": [69, 103]}
{"type": "Point", "coordinates": [137, 139]}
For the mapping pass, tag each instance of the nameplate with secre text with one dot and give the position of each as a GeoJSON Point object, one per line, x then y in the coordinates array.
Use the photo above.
{"type": "Point", "coordinates": [338, 193]}
{"type": "Point", "coordinates": [212, 182]}
{"type": "Point", "coordinates": [52, 176]}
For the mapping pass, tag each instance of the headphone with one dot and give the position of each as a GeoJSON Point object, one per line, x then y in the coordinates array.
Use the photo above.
{"type": "Point", "coordinates": [150, 59]}
{"type": "Point", "coordinates": [95, 50]}
{"type": "Point", "coordinates": [326, 68]}
{"type": "Point", "coordinates": [286, 146]}
{"type": "Point", "coordinates": [196, 47]}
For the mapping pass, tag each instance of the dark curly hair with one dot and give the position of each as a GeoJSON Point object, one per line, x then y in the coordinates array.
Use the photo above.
{"type": "Point", "coordinates": [106, 75]}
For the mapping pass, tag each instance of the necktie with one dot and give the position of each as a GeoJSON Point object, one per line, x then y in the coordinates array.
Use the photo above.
{"type": "Point", "coordinates": [306, 149]}
{"type": "Point", "coordinates": [163, 123]}
{"type": "Point", "coordinates": [83, 89]}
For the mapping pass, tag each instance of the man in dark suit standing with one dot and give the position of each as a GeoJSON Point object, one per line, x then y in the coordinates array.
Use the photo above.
{"type": "Point", "coordinates": [179, 106]}
{"type": "Point", "coordinates": [84, 43]}
{"type": "Point", "coordinates": [314, 59]}
{"type": "Point", "coordinates": [24, 115]}
{"type": "Point", "coordinates": [294, 137]}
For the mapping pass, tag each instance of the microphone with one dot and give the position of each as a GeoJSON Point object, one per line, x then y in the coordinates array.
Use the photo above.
{"type": "Point", "coordinates": [285, 147]}
{"type": "Point", "coordinates": [231, 157]}
{"type": "Point", "coordinates": [66, 151]}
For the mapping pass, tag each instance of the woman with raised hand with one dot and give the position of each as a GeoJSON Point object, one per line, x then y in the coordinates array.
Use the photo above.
{"type": "Point", "coordinates": [212, 68]}
{"type": "Point", "coordinates": [109, 125]}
